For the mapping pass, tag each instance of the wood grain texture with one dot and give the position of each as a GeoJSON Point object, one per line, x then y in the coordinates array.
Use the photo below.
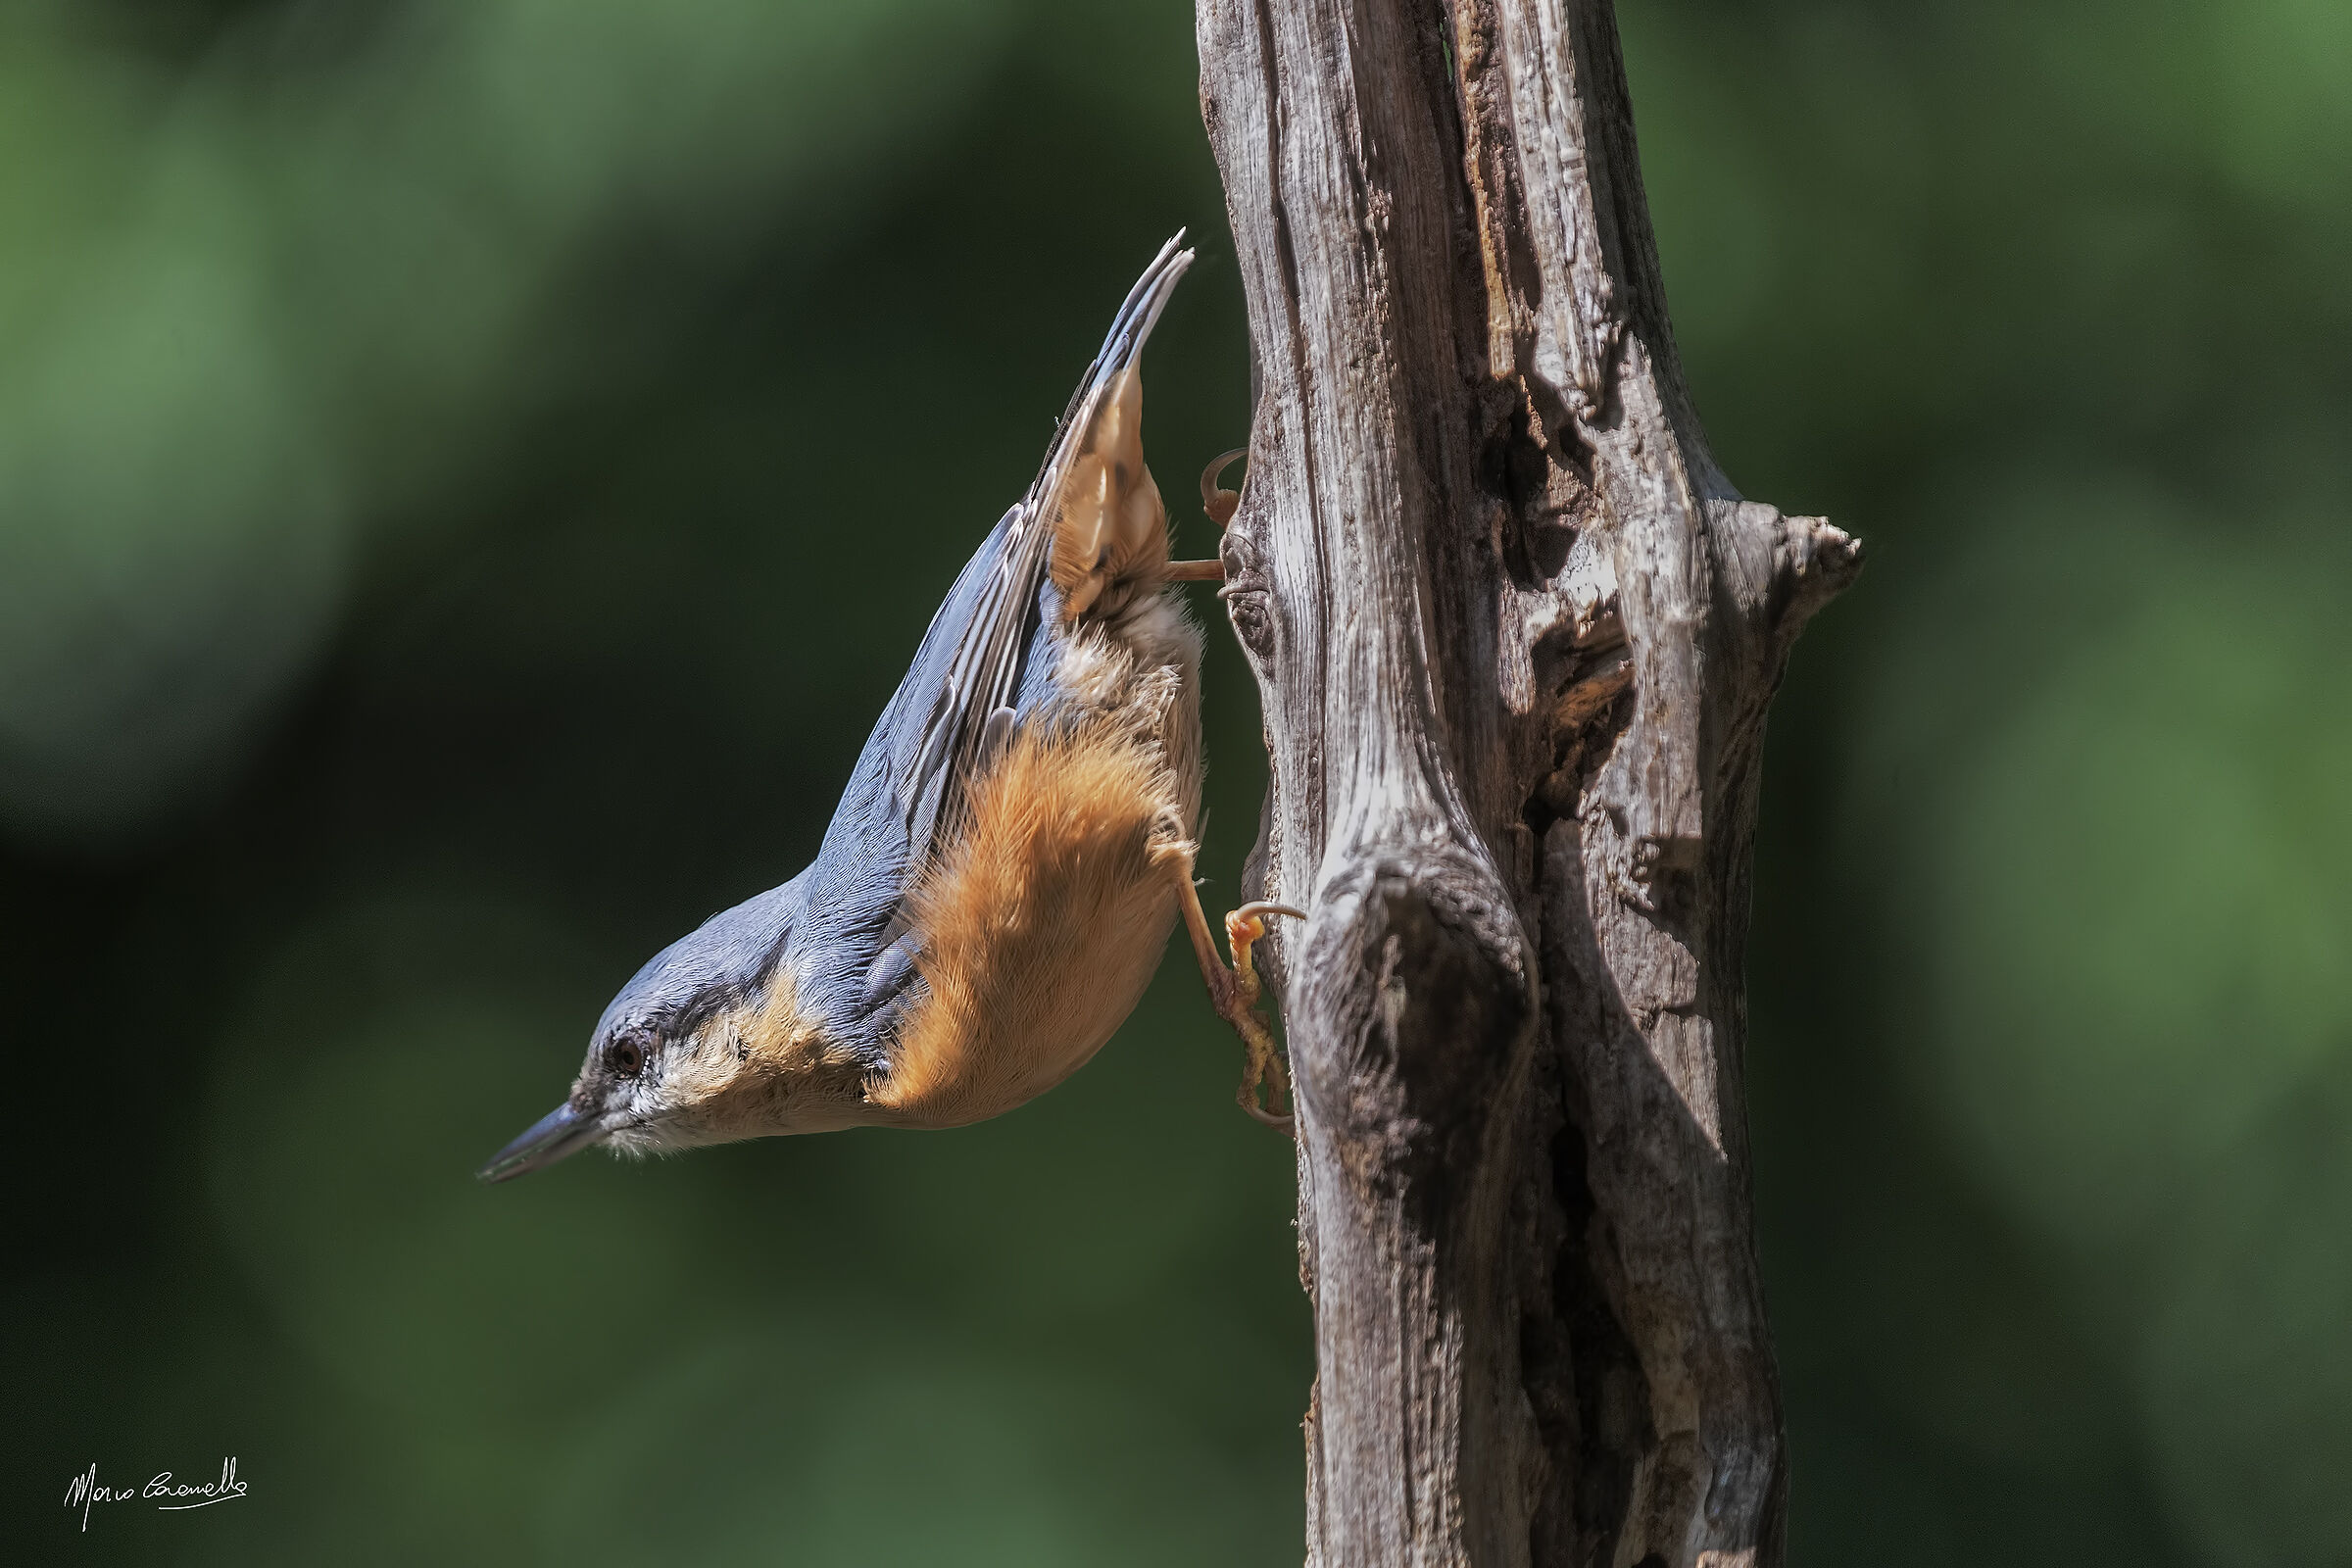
{"type": "Point", "coordinates": [1515, 635]}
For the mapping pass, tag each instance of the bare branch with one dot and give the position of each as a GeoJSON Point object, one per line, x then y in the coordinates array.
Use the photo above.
{"type": "Point", "coordinates": [1516, 636]}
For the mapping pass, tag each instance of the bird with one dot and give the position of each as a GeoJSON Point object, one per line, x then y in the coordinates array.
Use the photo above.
{"type": "Point", "coordinates": [1016, 845]}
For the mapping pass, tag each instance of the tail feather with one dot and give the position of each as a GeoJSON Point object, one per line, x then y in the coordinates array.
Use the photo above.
{"type": "Point", "coordinates": [1110, 530]}
{"type": "Point", "coordinates": [1110, 526]}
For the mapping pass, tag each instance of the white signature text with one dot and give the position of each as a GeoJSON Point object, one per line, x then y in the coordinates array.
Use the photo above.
{"type": "Point", "coordinates": [85, 1492]}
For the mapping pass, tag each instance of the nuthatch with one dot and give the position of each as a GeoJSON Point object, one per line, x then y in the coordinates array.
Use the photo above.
{"type": "Point", "coordinates": [1000, 878]}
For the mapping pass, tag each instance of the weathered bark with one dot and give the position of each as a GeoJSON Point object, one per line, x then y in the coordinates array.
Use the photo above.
{"type": "Point", "coordinates": [1516, 635]}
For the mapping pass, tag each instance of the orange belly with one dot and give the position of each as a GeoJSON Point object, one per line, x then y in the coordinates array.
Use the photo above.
{"type": "Point", "coordinates": [1042, 923]}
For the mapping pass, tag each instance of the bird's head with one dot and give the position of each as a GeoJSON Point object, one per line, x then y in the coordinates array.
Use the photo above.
{"type": "Point", "coordinates": [707, 1045]}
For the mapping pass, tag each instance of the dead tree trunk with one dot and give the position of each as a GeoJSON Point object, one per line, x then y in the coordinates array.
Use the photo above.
{"type": "Point", "coordinates": [1516, 635]}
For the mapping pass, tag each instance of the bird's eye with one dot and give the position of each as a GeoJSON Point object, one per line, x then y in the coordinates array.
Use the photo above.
{"type": "Point", "coordinates": [627, 1056]}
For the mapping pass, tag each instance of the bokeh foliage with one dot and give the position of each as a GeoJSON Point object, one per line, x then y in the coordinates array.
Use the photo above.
{"type": "Point", "coordinates": [469, 472]}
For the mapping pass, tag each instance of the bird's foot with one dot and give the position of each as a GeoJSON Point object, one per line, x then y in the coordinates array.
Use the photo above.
{"type": "Point", "coordinates": [1221, 503]}
{"type": "Point", "coordinates": [1233, 991]}
{"type": "Point", "coordinates": [1218, 501]}
{"type": "Point", "coordinates": [1262, 1074]}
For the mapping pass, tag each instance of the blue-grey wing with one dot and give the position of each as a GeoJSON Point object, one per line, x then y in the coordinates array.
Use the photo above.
{"type": "Point", "coordinates": [987, 657]}
{"type": "Point", "coordinates": [984, 674]}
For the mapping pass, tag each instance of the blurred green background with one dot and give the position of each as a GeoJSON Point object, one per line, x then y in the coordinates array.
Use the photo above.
{"type": "Point", "coordinates": [471, 469]}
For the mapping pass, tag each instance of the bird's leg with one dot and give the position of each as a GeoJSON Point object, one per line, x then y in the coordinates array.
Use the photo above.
{"type": "Point", "coordinates": [1244, 928]}
{"type": "Point", "coordinates": [1221, 503]}
{"type": "Point", "coordinates": [1235, 992]}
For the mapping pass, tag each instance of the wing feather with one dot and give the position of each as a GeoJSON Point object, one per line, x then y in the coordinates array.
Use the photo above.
{"type": "Point", "coordinates": [960, 702]}
{"type": "Point", "coordinates": [985, 674]}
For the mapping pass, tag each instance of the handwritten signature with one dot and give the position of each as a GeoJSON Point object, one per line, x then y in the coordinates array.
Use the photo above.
{"type": "Point", "coordinates": [85, 1492]}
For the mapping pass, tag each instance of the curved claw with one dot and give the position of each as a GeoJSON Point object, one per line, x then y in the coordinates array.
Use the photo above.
{"type": "Point", "coordinates": [1218, 501]}
{"type": "Point", "coordinates": [1278, 1092]}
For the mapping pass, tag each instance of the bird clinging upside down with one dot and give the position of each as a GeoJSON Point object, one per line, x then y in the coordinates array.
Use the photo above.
{"type": "Point", "coordinates": [1000, 880]}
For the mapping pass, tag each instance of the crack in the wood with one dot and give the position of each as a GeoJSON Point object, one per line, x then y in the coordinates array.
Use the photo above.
{"type": "Point", "coordinates": [1579, 1367]}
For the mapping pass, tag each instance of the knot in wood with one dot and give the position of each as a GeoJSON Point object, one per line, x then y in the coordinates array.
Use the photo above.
{"type": "Point", "coordinates": [1248, 597]}
{"type": "Point", "coordinates": [1410, 1020]}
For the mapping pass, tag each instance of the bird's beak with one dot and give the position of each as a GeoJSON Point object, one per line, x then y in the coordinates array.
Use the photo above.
{"type": "Point", "coordinates": [551, 1137]}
